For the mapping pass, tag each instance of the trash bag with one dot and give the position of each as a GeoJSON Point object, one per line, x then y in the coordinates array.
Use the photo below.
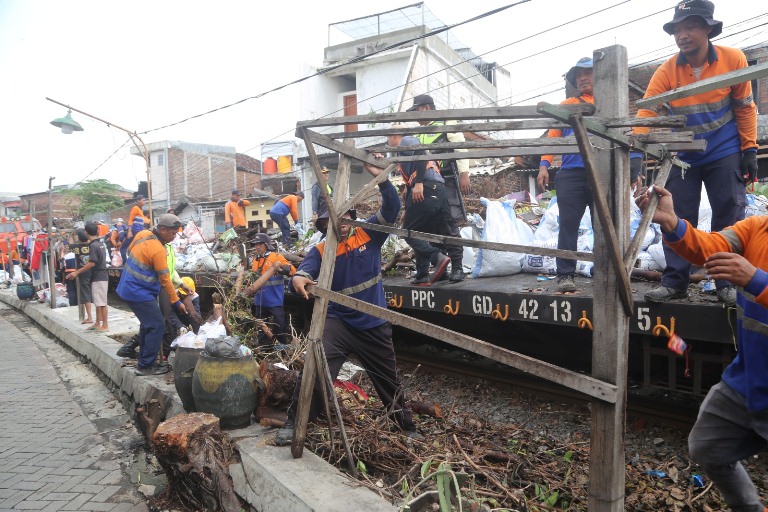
{"type": "Point", "coordinates": [223, 346]}
{"type": "Point", "coordinates": [501, 225]}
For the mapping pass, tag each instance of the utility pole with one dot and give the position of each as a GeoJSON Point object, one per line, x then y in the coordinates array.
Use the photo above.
{"type": "Point", "coordinates": [51, 272]}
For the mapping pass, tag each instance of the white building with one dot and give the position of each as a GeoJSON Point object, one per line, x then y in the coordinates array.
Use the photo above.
{"type": "Point", "coordinates": [438, 65]}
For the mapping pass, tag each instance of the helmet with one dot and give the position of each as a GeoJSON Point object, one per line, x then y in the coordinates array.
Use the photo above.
{"type": "Point", "coordinates": [189, 282]}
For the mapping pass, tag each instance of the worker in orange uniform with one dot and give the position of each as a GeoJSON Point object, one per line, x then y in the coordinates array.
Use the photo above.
{"type": "Point", "coordinates": [279, 214]}
{"type": "Point", "coordinates": [732, 424]}
{"type": "Point", "coordinates": [146, 271]}
{"type": "Point", "coordinates": [268, 300]}
{"type": "Point", "coordinates": [234, 215]}
{"type": "Point", "coordinates": [138, 211]}
{"type": "Point", "coordinates": [726, 118]}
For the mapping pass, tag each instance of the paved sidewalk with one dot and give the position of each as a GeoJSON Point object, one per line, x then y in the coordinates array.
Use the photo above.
{"type": "Point", "coordinates": [51, 455]}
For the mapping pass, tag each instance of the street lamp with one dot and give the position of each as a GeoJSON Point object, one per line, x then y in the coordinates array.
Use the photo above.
{"type": "Point", "coordinates": [68, 125]}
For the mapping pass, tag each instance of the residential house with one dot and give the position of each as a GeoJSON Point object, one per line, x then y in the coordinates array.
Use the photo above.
{"type": "Point", "coordinates": [10, 206]}
{"type": "Point", "coordinates": [197, 173]}
{"type": "Point", "coordinates": [384, 82]}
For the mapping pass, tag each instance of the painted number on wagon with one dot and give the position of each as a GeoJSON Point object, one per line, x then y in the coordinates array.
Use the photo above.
{"type": "Point", "coordinates": [561, 312]}
{"type": "Point", "coordinates": [643, 319]}
{"type": "Point", "coordinates": [528, 309]}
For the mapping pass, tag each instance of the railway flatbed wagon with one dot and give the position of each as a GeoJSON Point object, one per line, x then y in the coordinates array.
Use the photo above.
{"type": "Point", "coordinates": [525, 314]}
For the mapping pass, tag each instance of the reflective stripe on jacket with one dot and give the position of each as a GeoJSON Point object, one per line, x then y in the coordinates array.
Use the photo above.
{"type": "Point", "coordinates": [748, 372]}
{"type": "Point", "coordinates": [272, 294]}
{"type": "Point", "coordinates": [145, 270]}
{"type": "Point", "coordinates": [726, 117]}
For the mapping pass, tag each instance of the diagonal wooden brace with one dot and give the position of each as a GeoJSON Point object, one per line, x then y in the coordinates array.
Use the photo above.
{"type": "Point", "coordinates": [616, 136]}
{"type": "Point", "coordinates": [634, 248]}
{"type": "Point", "coordinates": [603, 214]}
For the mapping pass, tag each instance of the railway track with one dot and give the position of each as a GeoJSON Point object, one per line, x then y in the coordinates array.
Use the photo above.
{"type": "Point", "coordinates": [657, 405]}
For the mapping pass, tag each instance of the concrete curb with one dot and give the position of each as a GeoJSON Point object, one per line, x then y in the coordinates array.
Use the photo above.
{"type": "Point", "coordinates": [268, 478]}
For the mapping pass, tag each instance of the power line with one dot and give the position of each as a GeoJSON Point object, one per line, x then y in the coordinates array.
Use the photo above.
{"type": "Point", "coordinates": [346, 63]}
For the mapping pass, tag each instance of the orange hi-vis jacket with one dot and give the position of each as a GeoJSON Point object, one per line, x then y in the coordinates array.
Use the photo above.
{"type": "Point", "coordinates": [234, 214]}
{"type": "Point", "coordinates": [146, 270]}
{"type": "Point", "coordinates": [748, 372]}
{"type": "Point", "coordinates": [291, 204]}
{"type": "Point", "coordinates": [726, 117]}
{"type": "Point", "coordinates": [136, 211]}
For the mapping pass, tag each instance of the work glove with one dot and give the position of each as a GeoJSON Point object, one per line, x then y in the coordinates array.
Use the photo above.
{"type": "Point", "coordinates": [240, 203]}
{"type": "Point", "coordinates": [749, 166]}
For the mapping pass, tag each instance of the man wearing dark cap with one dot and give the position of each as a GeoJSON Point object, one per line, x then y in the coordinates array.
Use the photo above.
{"type": "Point", "coordinates": [426, 208]}
{"type": "Point", "coordinates": [456, 175]}
{"type": "Point", "coordinates": [357, 273]}
{"type": "Point", "coordinates": [144, 273]}
{"type": "Point", "coordinates": [726, 118]}
{"type": "Point", "coordinates": [268, 300]}
{"type": "Point", "coordinates": [234, 214]}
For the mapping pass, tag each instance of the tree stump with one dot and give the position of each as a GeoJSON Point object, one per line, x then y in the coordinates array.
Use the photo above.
{"type": "Point", "coordinates": [195, 456]}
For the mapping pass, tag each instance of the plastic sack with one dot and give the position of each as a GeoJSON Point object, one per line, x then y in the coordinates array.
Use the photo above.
{"type": "Point", "coordinates": [657, 252]}
{"type": "Point", "coordinates": [647, 262]}
{"type": "Point", "coordinates": [224, 261]}
{"type": "Point", "coordinates": [193, 233]}
{"type": "Point", "coordinates": [223, 346]}
{"type": "Point", "coordinates": [584, 268]}
{"type": "Point", "coordinates": [187, 340]}
{"type": "Point", "coordinates": [535, 264]}
{"type": "Point", "coordinates": [501, 225]}
{"type": "Point", "coordinates": [549, 225]}
{"type": "Point", "coordinates": [756, 205]}
{"type": "Point", "coordinates": [212, 329]}
{"type": "Point", "coordinates": [117, 259]}
{"type": "Point", "coordinates": [705, 212]}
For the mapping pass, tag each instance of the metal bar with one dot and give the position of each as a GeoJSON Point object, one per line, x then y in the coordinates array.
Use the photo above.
{"type": "Point", "coordinates": [708, 84]}
{"type": "Point", "coordinates": [634, 248]}
{"type": "Point", "coordinates": [573, 380]}
{"type": "Point", "coordinates": [524, 112]}
{"type": "Point", "coordinates": [494, 246]}
{"type": "Point", "coordinates": [625, 292]}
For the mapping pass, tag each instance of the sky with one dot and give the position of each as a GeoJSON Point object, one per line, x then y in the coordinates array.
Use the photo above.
{"type": "Point", "coordinates": [144, 64]}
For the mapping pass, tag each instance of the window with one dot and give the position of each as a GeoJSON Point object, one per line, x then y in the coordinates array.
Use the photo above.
{"type": "Point", "coordinates": [269, 223]}
{"type": "Point", "coordinates": [254, 213]}
{"type": "Point", "coordinates": [160, 159]}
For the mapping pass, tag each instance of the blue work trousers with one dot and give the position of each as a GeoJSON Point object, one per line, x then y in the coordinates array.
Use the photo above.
{"type": "Point", "coordinates": [726, 433]}
{"type": "Point", "coordinates": [284, 225]}
{"type": "Point", "coordinates": [727, 196]}
{"type": "Point", "coordinates": [573, 197]}
{"type": "Point", "coordinates": [151, 330]}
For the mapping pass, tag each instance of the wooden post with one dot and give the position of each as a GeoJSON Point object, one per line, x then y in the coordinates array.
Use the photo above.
{"type": "Point", "coordinates": [312, 366]}
{"type": "Point", "coordinates": [611, 325]}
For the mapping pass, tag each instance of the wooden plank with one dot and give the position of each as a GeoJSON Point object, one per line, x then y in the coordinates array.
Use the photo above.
{"type": "Point", "coordinates": [367, 188]}
{"type": "Point", "coordinates": [343, 176]}
{"type": "Point", "coordinates": [612, 135]}
{"type": "Point", "coordinates": [570, 379]}
{"type": "Point", "coordinates": [317, 169]}
{"type": "Point", "coordinates": [610, 338]}
{"type": "Point", "coordinates": [319, 312]}
{"type": "Point", "coordinates": [365, 156]}
{"type": "Point", "coordinates": [480, 244]}
{"type": "Point", "coordinates": [601, 207]}
{"type": "Point", "coordinates": [524, 112]}
{"type": "Point", "coordinates": [634, 248]}
{"type": "Point", "coordinates": [524, 124]}
{"type": "Point", "coordinates": [708, 84]}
